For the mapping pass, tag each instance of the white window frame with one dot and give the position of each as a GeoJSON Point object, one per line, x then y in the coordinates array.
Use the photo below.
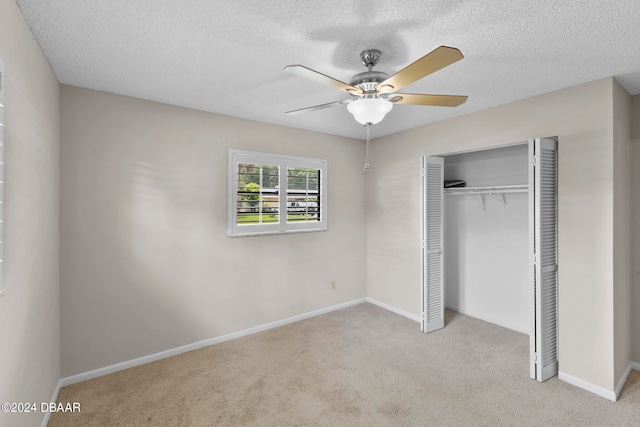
{"type": "Point", "coordinates": [283, 162]}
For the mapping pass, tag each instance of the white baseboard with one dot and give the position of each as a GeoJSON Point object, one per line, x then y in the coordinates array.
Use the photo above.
{"type": "Point", "coordinates": [635, 366]}
{"type": "Point", "coordinates": [54, 398]}
{"type": "Point", "coordinates": [623, 380]}
{"type": "Point", "coordinates": [585, 385]}
{"type": "Point", "coordinates": [394, 310]}
{"type": "Point", "coordinates": [198, 345]}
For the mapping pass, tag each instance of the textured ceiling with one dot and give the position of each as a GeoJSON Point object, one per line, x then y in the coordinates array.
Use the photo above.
{"type": "Point", "coordinates": [227, 56]}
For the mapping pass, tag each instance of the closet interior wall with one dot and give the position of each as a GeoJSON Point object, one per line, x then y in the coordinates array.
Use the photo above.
{"type": "Point", "coordinates": [486, 244]}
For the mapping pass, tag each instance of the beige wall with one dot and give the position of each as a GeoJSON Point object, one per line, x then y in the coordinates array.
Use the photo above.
{"type": "Point", "coordinates": [635, 229]}
{"type": "Point", "coordinates": [581, 117]}
{"type": "Point", "coordinates": [146, 264]}
{"type": "Point", "coordinates": [621, 230]}
{"type": "Point", "coordinates": [29, 309]}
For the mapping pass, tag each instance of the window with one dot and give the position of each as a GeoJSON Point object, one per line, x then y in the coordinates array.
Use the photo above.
{"type": "Point", "coordinates": [270, 193]}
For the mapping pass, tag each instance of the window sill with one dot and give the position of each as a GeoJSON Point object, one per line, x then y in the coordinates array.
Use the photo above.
{"type": "Point", "coordinates": [272, 233]}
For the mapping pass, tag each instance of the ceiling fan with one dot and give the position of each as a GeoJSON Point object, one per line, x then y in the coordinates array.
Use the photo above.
{"type": "Point", "coordinates": [373, 93]}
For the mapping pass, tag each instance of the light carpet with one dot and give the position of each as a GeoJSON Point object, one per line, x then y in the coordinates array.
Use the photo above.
{"type": "Point", "coordinates": [361, 366]}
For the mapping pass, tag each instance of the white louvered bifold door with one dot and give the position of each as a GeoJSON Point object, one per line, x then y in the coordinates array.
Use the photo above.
{"type": "Point", "coordinates": [432, 235]}
{"type": "Point", "coordinates": [543, 271]}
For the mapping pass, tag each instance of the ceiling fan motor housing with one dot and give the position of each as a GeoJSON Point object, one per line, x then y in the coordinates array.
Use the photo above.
{"type": "Point", "coordinates": [368, 80]}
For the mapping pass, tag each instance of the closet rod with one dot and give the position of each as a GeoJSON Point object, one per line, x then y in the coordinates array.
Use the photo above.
{"type": "Point", "coordinates": [487, 190]}
{"type": "Point", "coordinates": [482, 192]}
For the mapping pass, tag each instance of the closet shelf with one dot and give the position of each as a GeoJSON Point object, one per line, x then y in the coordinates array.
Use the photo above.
{"type": "Point", "coordinates": [496, 189]}
{"type": "Point", "coordinates": [481, 192]}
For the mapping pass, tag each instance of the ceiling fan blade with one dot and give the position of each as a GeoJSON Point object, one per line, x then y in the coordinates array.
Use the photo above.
{"type": "Point", "coordinates": [425, 99]}
{"type": "Point", "coordinates": [319, 107]}
{"type": "Point", "coordinates": [308, 73]}
{"type": "Point", "coordinates": [430, 63]}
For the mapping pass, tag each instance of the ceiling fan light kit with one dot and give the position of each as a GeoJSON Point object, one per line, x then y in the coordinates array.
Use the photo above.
{"type": "Point", "coordinates": [369, 110]}
{"type": "Point", "coordinates": [373, 92]}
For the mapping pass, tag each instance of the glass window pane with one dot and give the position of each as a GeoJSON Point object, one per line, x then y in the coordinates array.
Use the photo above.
{"type": "Point", "coordinates": [303, 195]}
{"type": "Point", "coordinates": [258, 194]}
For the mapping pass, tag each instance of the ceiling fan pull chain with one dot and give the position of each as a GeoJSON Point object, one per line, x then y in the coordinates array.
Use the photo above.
{"type": "Point", "coordinates": [366, 150]}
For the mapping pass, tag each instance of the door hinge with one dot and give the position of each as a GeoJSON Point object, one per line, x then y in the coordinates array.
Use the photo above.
{"type": "Point", "coordinates": [534, 160]}
{"type": "Point", "coordinates": [534, 357]}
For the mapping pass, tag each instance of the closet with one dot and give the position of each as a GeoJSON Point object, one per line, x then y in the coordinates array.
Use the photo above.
{"type": "Point", "coordinates": [489, 236]}
{"type": "Point", "coordinates": [486, 235]}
